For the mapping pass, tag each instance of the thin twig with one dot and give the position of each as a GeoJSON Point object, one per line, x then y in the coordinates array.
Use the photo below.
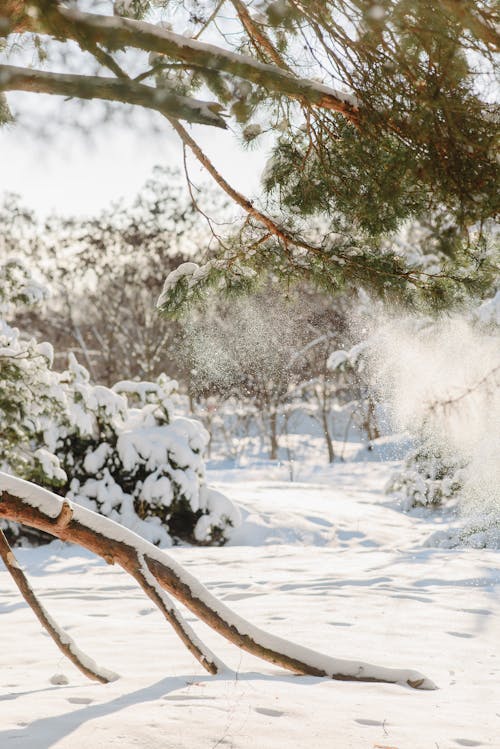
{"type": "Point", "coordinates": [63, 641]}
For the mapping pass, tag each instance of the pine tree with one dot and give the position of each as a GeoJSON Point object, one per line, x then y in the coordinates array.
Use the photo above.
{"type": "Point", "coordinates": [400, 127]}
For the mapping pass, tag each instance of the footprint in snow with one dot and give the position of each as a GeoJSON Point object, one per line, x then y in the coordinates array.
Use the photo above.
{"type": "Point", "coordinates": [467, 742]}
{"type": "Point", "coordinates": [268, 711]}
{"type": "Point", "coordinates": [460, 634]}
{"type": "Point", "coordinates": [186, 697]}
{"type": "Point", "coordinates": [367, 722]}
{"type": "Point", "coordinates": [80, 700]}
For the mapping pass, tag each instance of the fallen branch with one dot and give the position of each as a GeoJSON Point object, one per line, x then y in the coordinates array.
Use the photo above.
{"type": "Point", "coordinates": [150, 586]}
{"type": "Point", "coordinates": [26, 503]}
{"type": "Point", "coordinates": [63, 641]}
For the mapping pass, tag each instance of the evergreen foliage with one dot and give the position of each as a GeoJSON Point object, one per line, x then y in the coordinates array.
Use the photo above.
{"type": "Point", "coordinates": [414, 139]}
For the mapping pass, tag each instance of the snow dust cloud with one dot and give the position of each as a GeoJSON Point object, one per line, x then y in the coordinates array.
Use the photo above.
{"type": "Point", "coordinates": [253, 339]}
{"type": "Point", "coordinates": [440, 380]}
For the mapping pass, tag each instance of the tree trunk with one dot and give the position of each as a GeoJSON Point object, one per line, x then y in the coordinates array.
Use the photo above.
{"type": "Point", "coordinates": [328, 437]}
{"type": "Point", "coordinates": [273, 435]}
{"type": "Point", "coordinates": [26, 503]}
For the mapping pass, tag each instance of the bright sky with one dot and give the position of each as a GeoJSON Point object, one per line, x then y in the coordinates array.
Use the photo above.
{"type": "Point", "coordinates": [67, 173]}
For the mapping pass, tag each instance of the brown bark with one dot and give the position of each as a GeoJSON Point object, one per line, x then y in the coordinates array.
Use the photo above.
{"type": "Point", "coordinates": [13, 17]}
{"type": "Point", "coordinates": [328, 437]}
{"type": "Point", "coordinates": [273, 436]}
{"type": "Point", "coordinates": [257, 35]}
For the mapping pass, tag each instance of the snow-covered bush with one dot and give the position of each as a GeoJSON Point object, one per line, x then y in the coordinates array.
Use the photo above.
{"type": "Point", "coordinates": [119, 451]}
{"type": "Point", "coordinates": [426, 479]}
{"type": "Point", "coordinates": [129, 458]}
{"type": "Point", "coordinates": [29, 390]}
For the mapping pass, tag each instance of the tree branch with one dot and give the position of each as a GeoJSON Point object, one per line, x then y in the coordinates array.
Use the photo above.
{"type": "Point", "coordinates": [257, 35]}
{"type": "Point", "coordinates": [150, 586]}
{"type": "Point", "coordinates": [238, 198]}
{"type": "Point", "coordinates": [63, 641]}
{"type": "Point", "coordinates": [122, 90]}
{"type": "Point", "coordinates": [24, 502]}
{"type": "Point", "coordinates": [472, 20]}
{"type": "Point", "coordinates": [118, 33]}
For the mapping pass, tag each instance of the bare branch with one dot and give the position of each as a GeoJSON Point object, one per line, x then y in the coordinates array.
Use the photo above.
{"type": "Point", "coordinates": [150, 586]}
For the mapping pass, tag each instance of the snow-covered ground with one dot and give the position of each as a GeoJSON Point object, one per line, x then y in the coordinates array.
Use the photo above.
{"type": "Point", "coordinates": [327, 561]}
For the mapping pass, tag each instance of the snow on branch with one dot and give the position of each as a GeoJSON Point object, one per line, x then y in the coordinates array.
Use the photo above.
{"type": "Point", "coordinates": [27, 503]}
{"type": "Point", "coordinates": [160, 99]}
{"type": "Point", "coordinates": [64, 642]}
{"type": "Point", "coordinates": [193, 643]}
{"type": "Point", "coordinates": [115, 33]}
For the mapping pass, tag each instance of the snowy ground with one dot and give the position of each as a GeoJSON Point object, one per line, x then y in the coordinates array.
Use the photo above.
{"type": "Point", "coordinates": [327, 561]}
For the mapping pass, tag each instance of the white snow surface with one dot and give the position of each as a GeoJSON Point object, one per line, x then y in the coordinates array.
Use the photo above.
{"type": "Point", "coordinates": [329, 562]}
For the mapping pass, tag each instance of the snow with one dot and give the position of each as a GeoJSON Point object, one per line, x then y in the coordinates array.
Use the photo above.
{"type": "Point", "coordinates": [489, 312]}
{"type": "Point", "coordinates": [157, 34]}
{"type": "Point", "coordinates": [191, 272]}
{"type": "Point", "coordinates": [331, 563]}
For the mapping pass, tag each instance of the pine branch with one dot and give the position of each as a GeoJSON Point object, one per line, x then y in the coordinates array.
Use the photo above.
{"type": "Point", "coordinates": [471, 19]}
{"type": "Point", "coordinates": [258, 36]}
{"type": "Point", "coordinates": [118, 33]}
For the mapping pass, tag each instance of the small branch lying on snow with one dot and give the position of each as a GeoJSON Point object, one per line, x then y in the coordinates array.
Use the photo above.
{"type": "Point", "coordinates": [63, 641]}
{"type": "Point", "coordinates": [26, 503]}
{"type": "Point", "coordinates": [150, 586]}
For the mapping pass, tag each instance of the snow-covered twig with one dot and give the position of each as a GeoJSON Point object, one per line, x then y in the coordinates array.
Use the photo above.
{"type": "Point", "coordinates": [190, 639]}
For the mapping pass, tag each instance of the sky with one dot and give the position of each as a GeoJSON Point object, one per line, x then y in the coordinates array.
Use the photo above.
{"type": "Point", "coordinates": [70, 174]}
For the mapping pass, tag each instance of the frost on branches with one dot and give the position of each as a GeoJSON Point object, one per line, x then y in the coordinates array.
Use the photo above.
{"type": "Point", "coordinates": [120, 451]}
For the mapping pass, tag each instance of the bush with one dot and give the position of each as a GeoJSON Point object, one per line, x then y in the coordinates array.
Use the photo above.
{"type": "Point", "coordinates": [426, 479]}
{"type": "Point", "coordinates": [127, 457]}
